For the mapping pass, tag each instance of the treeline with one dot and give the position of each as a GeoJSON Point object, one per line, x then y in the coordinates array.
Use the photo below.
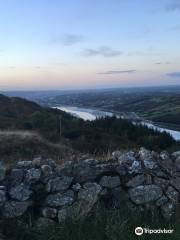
{"type": "Point", "coordinates": [99, 136]}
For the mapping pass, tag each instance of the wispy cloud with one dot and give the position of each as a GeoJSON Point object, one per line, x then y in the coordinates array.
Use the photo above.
{"type": "Point", "coordinates": [159, 63]}
{"type": "Point", "coordinates": [173, 5]}
{"type": "Point", "coordinates": [118, 72]}
{"type": "Point", "coordinates": [174, 74]}
{"type": "Point", "coordinates": [67, 39]}
{"type": "Point", "coordinates": [104, 51]}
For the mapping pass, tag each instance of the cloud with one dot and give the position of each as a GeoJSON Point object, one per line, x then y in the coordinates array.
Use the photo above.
{"type": "Point", "coordinates": [103, 51]}
{"type": "Point", "coordinates": [159, 63]}
{"type": "Point", "coordinates": [173, 5]}
{"type": "Point", "coordinates": [67, 39]}
{"type": "Point", "coordinates": [117, 72]}
{"type": "Point", "coordinates": [174, 74]}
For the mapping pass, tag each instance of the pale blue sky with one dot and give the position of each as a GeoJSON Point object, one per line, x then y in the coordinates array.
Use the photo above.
{"type": "Point", "coordinates": [55, 44]}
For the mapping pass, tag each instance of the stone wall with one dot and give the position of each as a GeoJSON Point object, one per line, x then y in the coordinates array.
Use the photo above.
{"type": "Point", "coordinates": [138, 180]}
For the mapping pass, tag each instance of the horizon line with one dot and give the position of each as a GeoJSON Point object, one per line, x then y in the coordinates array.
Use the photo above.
{"type": "Point", "coordinates": [88, 89]}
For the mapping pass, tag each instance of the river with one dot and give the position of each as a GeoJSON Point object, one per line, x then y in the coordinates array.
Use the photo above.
{"type": "Point", "coordinates": [91, 114]}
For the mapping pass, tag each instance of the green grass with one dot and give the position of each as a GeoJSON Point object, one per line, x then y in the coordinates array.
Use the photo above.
{"type": "Point", "coordinates": [108, 225]}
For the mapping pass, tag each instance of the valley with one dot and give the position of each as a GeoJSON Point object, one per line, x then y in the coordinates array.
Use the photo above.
{"type": "Point", "coordinates": [92, 114]}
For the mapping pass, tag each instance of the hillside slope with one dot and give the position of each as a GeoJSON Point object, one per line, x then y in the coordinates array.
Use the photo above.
{"type": "Point", "coordinates": [96, 137]}
{"type": "Point", "coordinates": [159, 106]}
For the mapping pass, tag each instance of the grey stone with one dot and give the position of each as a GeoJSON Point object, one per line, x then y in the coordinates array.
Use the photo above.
{"type": "Point", "coordinates": [116, 155]}
{"type": "Point", "coordinates": [124, 156]}
{"type": "Point", "coordinates": [104, 192]}
{"type": "Point", "coordinates": [144, 194]}
{"type": "Point", "coordinates": [76, 187]}
{"type": "Point", "coordinates": [136, 181]}
{"type": "Point", "coordinates": [91, 161]}
{"type": "Point", "coordinates": [36, 162]}
{"type": "Point", "coordinates": [24, 164]}
{"type": "Point", "coordinates": [164, 155]}
{"type": "Point", "coordinates": [66, 169]}
{"type": "Point", "coordinates": [2, 197]}
{"type": "Point", "coordinates": [20, 192]}
{"type": "Point", "coordinates": [89, 192]}
{"type": "Point", "coordinates": [161, 182]}
{"type": "Point", "coordinates": [177, 164]}
{"type": "Point", "coordinates": [110, 181]}
{"type": "Point", "coordinates": [147, 158]}
{"type": "Point", "coordinates": [168, 210]}
{"type": "Point", "coordinates": [175, 154]}
{"type": "Point", "coordinates": [51, 163]}
{"type": "Point", "coordinates": [60, 199]}
{"type": "Point", "coordinates": [175, 182]}
{"type": "Point", "coordinates": [165, 161]}
{"type": "Point", "coordinates": [84, 172]}
{"type": "Point", "coordinates": [127, 161]}
{"type": "Point", "coordinates": [59, 184]}
{"type": "Point", "coordinates": [66, 213]}
{"type": "Point", "coordinates": [48, 212]}
{"type": "Point", "coordinates": [122, 169]}
{"type": "Point", "coordinates": [33, 175]}
{"type": "Point", "coordinates": [46, 170]}
{"type": "Point", "coordinates": [135, 167]}
{"type": "Point", "coordinates": [16, 176]}
{"type": "Point", "coordinates": [142, 181]}
{"type": "Point", "coordinates": [162, 200]}
{"type": "Point", "coordinates": [160, 174]}
{"type": "Point", "coordinates": [13, 209]}
{"type": "Point", "coordinates": [75, 211]}
{"type": "Point", "coordinates": [172, 194]}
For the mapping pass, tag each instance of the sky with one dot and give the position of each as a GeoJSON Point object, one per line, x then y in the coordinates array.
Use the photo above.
{"type": "Point", "coordinates": [68, 44]}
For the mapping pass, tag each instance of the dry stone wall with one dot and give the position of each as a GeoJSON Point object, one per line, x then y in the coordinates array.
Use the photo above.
{"type": "Point", "coordinates": [138, 180]}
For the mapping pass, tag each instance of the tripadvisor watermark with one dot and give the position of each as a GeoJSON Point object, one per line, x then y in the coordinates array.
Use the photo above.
{"type": "Point", "coordinates": [140, 231]}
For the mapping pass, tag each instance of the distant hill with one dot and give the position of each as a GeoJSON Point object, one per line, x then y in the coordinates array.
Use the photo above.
{"type": "Point", "coordinates": [19, 113]}
{"type": "Point", "coordinates": [14, 110]}
{"type": "Point", "coordinates": [15, 107]}
{"type": "Point", "coordinates": [97, 137]}
{"type": "Point", "coordinates": [162, 105]}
